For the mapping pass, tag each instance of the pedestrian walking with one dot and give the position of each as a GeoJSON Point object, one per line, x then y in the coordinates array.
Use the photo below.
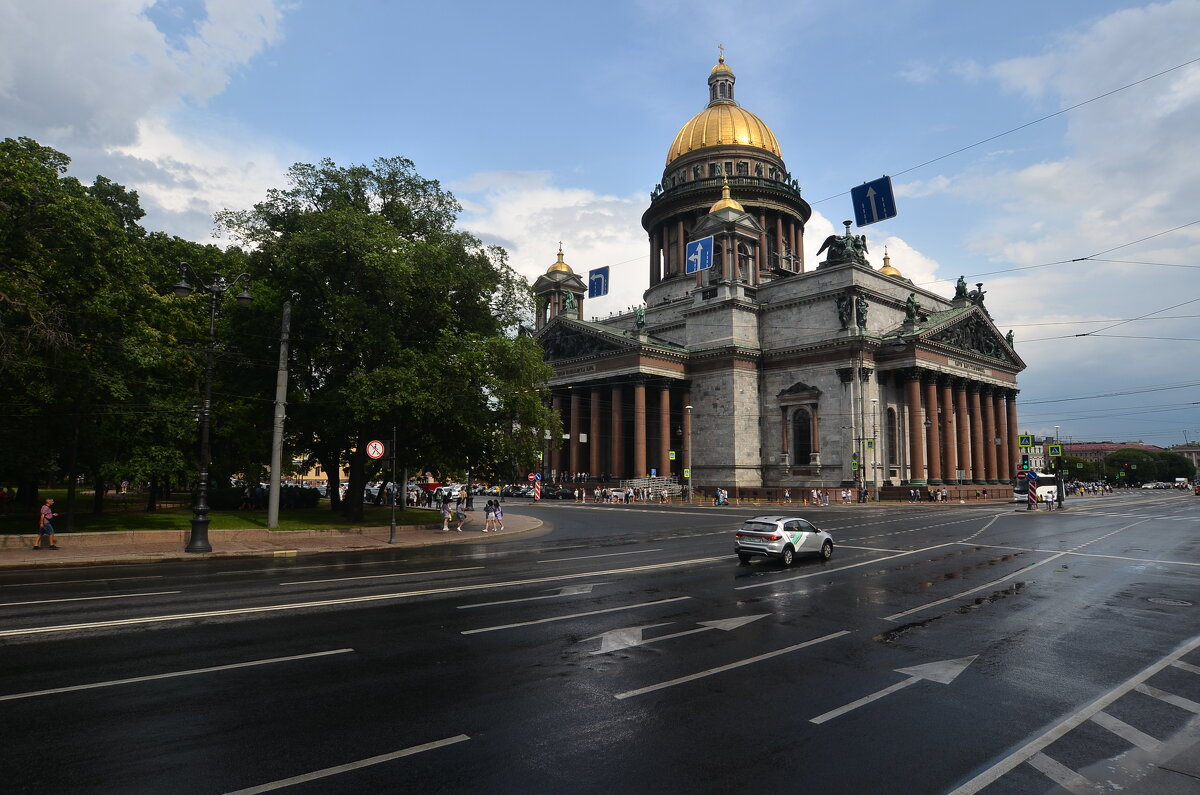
{"type": "Point", "coordinates": [461, 515]}
{"type": "Point", "coordinates": [498, 525]}
{"type": "Point", "coordinates": [45, 525]}
{"type": "Point", "coordinates": [787, 497]}
{"type": "Point", "coordinates": [489, 516]}
{"type": "Point", "coordinates": [445, 516]}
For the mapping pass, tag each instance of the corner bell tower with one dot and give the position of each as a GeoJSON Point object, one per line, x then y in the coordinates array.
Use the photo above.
{"type": "Point", "coordinates": [558, 291]}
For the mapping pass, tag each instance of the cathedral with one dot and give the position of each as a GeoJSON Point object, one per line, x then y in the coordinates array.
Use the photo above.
{"type": "Point", "coordinates": [763, 372]}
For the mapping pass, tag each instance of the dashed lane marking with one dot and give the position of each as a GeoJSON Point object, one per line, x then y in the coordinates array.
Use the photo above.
{"type": "Point", "coordinates": [333, 771]}
{"type": "Point", "coordinates": [382, 576]}
{"type": "Point", "coordinates": [88, 598]}
{"type": "Point", "coordinates": [575, 615]}
{"type": "Point", "coordinates": [824, 572]}
{"type": "Point", "coordinates": [173, 674]}
{"type": "Point", "coordinates": [957, 596]}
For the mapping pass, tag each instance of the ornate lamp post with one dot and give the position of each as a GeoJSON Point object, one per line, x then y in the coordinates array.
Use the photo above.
{"type": "Point", "coordinates": [687, 453]}
{"type": "Point", "coordinates": [216, 289]}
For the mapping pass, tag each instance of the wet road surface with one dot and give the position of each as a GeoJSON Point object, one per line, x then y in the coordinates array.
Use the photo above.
{"type": "Point", "coordinates": [941, 649]}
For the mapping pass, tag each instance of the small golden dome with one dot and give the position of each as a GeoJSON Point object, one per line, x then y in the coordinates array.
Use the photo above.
{"type": "Point", "coordinates": [560, 266]}
{"type": "Point", "coordinates": [725, 200]}
{"type": "Point", "coordinates": [720, 67]}
{"type": "Point", "coordinates": [723, 124]}
{"type": "Point", "coordinates": [887, 269]}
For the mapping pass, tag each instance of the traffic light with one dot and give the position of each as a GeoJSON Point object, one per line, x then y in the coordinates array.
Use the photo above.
{"type": "Point", "coordinates": [1025, 463]}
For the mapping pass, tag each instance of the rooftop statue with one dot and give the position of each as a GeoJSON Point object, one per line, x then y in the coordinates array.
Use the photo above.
{"type": "Point", "coordinates": [960, 289]}
{"type": "Point", "coordinates": [845, 248]}
{"type": "Point", "coordinates": [912, 309]}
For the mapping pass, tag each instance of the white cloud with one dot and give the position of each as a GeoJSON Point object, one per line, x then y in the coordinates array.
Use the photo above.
{"type": "Point", "coordinates": [106, 86]}
{"type": "Point", "coordinates": [528, 215]}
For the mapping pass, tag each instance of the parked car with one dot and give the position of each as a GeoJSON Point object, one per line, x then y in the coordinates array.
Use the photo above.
{"type": "Point", "coordinates": [782, 538]}
{"type": "Point", "coordinates": [558, 493]}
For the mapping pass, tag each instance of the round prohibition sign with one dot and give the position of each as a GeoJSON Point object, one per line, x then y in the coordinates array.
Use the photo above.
{"type": "Point", "coordinates": [375, 449]}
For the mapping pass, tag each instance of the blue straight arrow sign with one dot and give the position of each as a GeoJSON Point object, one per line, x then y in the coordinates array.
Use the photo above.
{"type": "Point", "coordinates": [699, 255]}
{"type": "Point", "coordinates": [873, 201]}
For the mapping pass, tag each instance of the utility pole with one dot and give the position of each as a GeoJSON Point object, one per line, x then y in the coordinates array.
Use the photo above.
{"type": "Point", "coordinates": [281, 379]}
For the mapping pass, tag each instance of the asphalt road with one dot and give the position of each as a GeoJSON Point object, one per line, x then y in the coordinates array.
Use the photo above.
{"type": "Point", "coordinates": [623, 649]}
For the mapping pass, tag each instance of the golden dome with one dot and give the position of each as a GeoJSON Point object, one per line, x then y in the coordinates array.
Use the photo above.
{"type": "Point", "coordinates": [887, 269]}
{"type": "Point", "coordinates": [725, 201]}
{"type": "Point", "coordinates": [560, 266]}
{"type": "Point", "coordinates": [723, 124]}
{"type": "Point", "coordinates": [721, 67]}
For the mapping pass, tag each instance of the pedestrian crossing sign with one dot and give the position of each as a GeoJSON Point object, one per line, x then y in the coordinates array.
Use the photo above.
{"type": "Point", "coordinates": [1025, 440]}
{"type": "Point", "coordinates": [1054, 451]}
{"type": "Point", "coordinates": [672, 455]}
{"type": "Point", "coordinates": [687, 473]}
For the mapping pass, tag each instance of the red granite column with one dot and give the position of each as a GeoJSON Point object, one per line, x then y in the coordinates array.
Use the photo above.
{"type": "Point", "coordinates": [978, 452]}
{"type": "Point", "coordinates": [1012, 428]}
{"type": "Point", "coordinates": [949, 450]}
{"type": "Point", "coordinates": [779, 243]}
{"type": "Point", "coordinates": [664, 439]}
{"type": "Point", "coordinates": [962, 422]}
{"type": "Point", "coordinates": [616, 449]}
{"type": "Point", "coordinates": [574, 448]}
{"type": "Point", "coordinates": [680, 265]}
{"type": "Point", "coordinates": [639, 430]}
{"type": "Point", "coordinates": [594, 434]}
{"type": "Point", "coordinates": [916, 439]}
{"type": "Point", "coordinates": [763, 265]}
{"type": "Point", "coordinates": [654, 259]}
{"type": "Point", "coordinates": [989, 433]}
{"type": "Point", "coordinates": [934, 431]}
{"type": "Point", "coordinates": [1004, 469]}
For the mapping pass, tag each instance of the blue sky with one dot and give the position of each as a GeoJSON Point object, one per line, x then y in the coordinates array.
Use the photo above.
{"type": "Point", "coordinates": [551, 121]}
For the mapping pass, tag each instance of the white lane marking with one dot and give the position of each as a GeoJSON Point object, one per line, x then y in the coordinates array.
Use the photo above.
{"type": "Point", "coordinates": [1023, 754]}
{"type": "Point", "coordinates": [381, 576]}
{"type": "Point", "coordinates": [871, 562]}
{"type": "Point", "coordinates": [574, 615]}
{"type": "Point", "coordinates": [333, 771]}
{"type": "Point", "coordinates": [943, 672]}
{"type": "Point", "coordinates": [1126, 732]}
{"type": "Point", "coordinates": [985, 527]}
{"type": "Point", "coordinates": [72, 582]}
{"type": "Point", "coordinates": [1169, 698]}
{"type": "Point", "coordinates": [1181, 665]}
{"type": "Point", "coordinates": [172, 675]}
{"type": "Point", "coordinates": [721, 669]}
{"type": "Point", "coordinates": [1061, 775]}
{"type": "Point", "coordinates": [961, 594]}
{"type": "Point", "coordinates": [88, 598]}
{"type": "Point", "coordinates": [9, 633]}
{"type": "Point", "coordinates": [568, 590]}
{"type": "Point", "coordinates": [868, 549]}
{"type": "Point", "coordinates": [606, 555]}
{"type": "Point", "coordinates": [1087, 555]}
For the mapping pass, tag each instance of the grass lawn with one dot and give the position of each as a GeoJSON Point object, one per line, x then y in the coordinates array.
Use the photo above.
{"type": "Point", "coordinates": [128, 517]}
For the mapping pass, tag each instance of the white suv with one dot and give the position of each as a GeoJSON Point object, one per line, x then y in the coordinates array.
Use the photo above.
{"type": "Point", "coordinates": [781, 537]}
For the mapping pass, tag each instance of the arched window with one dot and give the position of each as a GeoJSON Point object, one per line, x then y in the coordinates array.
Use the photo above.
{"type": "Point", "coordinates": [745, 261]}
{"type": "Point", "coordinates": [891, 439]}
{"type": "Point", "coordinates": [802, 433]}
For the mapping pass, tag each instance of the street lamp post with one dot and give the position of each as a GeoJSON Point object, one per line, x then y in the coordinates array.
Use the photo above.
{"type": "Point", "coordinates": [216, 289]}
{"type": "Point", "coordinates": [1058, 470]}
{"type": "Point", "coordinates": [687, 453]}
{"type": "Point", "coordinates": [875, 446]}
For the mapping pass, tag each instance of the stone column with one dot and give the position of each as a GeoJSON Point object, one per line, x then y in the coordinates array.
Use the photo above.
{"type": "Point", "coordinates": [792, 266]}
{"type": "Point", "coordinates": [1012, 429]}
{"type": "Point", "coordinates": [779, 240]}
{"type": "Point", "coordinates": [762, 244]}
{"type": "Point", "coordinates": [1004, 469]}
{"type": "Point", "coordinates": [785, 419]}
{"type": "Point", "coordinates": [664, 441]}
{"type": "Point", "coordinates": [680, 249]}
{"type": "Point", "coordinates": [639, 430]}
{"type": "Point", "coordinates": [934, 431]}
{"type": "Point", "coordinates": [616, 449]}
{"type": "Point", "coordinates": [574, 448]}
{"type": "Point", "coordinates": [978, 451]}
{"type": "Point", "coordinates": [962, 423]}
{"type": "Point", "coordinates": [989, 433]}
{"type": "Point", "coordinates": [949, 449]}
{"type": "Point", "coordinates": [916, 439]}
{"type": "Point", "coordinates": [594, 434]}
{"type": "Point", "coordinates": [556, 444]}
{"type": "Point", "coordinates": [816, 431]}
{"type": "Point", "coordinates": [654, 259]}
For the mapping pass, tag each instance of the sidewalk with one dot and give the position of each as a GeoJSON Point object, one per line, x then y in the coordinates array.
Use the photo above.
{"type": "Point", "coordinates": [152, 546]}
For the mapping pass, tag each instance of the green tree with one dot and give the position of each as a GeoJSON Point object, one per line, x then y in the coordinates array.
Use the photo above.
{"type": "Point", "coordinates": [399, 321]}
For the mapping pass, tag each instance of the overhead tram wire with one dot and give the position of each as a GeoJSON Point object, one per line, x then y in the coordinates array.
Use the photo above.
{"type": "Point", "coordinates": [1028, 124]}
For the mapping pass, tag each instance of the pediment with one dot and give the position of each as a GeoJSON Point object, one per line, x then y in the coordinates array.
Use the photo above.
{"type": "Point", "coordinates": [566, 340]}
{"type": "Point", "coordinates": [800, 389]}
{"type": "Point", "coordinates": [974, 333]}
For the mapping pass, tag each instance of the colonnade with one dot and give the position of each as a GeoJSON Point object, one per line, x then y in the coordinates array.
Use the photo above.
{"type": "Point", "coordinates": [622, 430]}
{"type": "Point", "coordinates": [959, 424]}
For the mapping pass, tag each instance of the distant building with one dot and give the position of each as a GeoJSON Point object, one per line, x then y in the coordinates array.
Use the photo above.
{"type": "Point", "coordinates": [1095, 452]}
{"type": "Point", "coordinates": [1189, 451]}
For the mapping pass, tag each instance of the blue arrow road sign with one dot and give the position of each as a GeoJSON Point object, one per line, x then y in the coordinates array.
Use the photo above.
{"type": "Point", "coordinates": [598, 282]}
{"type": "Point", "coordinates": [873, 201]}
{"type": "Point", "coordinates": [699, 255]}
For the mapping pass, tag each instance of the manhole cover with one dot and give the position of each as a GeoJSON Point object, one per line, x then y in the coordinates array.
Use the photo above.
{"type": "Point", "coordinates": [1172, 602]}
